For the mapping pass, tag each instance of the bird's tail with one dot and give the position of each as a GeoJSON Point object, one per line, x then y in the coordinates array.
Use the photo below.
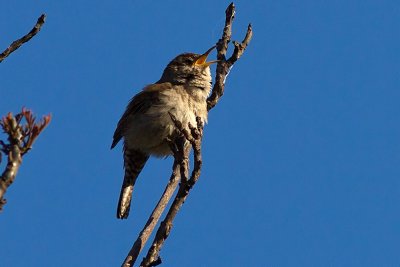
{"type": "Point", "coordinates": [134, 162]}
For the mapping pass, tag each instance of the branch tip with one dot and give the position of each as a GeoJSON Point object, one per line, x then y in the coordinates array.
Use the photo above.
{"type": "Point", "coordinates": [16, 44]}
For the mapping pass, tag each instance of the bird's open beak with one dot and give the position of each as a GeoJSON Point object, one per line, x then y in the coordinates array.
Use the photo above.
{"type": "Point", "coordinates": [202, 60]}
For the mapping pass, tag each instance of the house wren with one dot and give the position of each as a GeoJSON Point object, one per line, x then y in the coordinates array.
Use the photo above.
{"type": "Point", "coordinates": [146, 124]}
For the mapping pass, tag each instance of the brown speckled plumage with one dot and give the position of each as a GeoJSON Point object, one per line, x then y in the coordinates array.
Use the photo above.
{"type": "Point", "coordinates": [145, 124]}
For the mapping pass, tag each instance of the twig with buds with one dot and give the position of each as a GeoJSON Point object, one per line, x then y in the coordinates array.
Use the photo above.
{"type": "Point", "coordinates": [21, 137]}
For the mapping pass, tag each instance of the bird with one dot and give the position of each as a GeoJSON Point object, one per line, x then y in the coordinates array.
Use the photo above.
{"type": "Point", "coordinates": [146, 125]}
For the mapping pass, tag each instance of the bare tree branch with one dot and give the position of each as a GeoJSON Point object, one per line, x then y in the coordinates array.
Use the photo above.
{"type": "Point", "coordinates": [224, 65]}
{"type": "Point", "coordinates": [152, 258]}
{"type": "Point", "coordinates": [17, 43]}
{"type": "Point", "coordinates": [20, 140]}
{"type": "Point", "coordinates": [154, 217]}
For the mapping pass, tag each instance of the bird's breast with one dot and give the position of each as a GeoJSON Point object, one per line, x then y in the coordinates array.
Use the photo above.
{"type": "Point", "coordinates": [150, 130]}
{"type": "Point", "coordinates": [185, 104]}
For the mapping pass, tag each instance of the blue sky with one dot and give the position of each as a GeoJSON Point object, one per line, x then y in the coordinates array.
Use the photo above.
{"type": "Point", "coordinates": [301, 156]}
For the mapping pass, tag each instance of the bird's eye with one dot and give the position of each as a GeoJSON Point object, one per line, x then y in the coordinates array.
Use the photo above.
{"type": "Point", "coordinates": [188, 61]}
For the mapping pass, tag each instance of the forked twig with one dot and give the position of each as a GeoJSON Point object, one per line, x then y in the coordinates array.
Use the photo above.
{"type": "Point", "coordinates": [154, 217]}
{"type": "Point", "coordinates": [194, 137]}
{"type": "Point", "coordinates": [225, 65]}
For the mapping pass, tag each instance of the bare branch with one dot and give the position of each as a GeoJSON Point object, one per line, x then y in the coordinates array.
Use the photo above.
{"type": "Point", "coordinates": [152, 258]}
{"type": "Point", "coordinates": [17, 43]}
{"type": "Point", "coordinates": [224, 66]}
{"type": "Point", "coordinates": [240, 47]}
{"type": "Point", "coordinates": [20, 140]}
{"type": "Point", "coordinates": [154, 217]}
{"type": "Point", "coordinates": [222, 45]}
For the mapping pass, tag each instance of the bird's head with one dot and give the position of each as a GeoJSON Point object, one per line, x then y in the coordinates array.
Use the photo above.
{"type": "Point", "coordinates": [189, 69]}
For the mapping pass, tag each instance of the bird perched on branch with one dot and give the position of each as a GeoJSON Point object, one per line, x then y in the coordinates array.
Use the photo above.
{"type": "Point", "coordinates": [146, 123]}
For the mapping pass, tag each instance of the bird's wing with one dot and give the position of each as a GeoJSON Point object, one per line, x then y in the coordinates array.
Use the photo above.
{"type": "Point", "coordinates": [140, 103]}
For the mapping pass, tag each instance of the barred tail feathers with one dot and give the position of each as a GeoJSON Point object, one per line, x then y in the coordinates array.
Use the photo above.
{"type": "Point", "coordinates": [134, 162]}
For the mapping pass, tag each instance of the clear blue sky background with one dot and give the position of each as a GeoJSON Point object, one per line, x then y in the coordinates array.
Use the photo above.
{"type": "Point", "coordinates": [301, 156]}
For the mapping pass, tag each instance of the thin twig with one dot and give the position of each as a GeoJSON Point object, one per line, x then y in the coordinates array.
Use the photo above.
{"type": "Point", "coordinates": [240, 47]}
{"type": "Point", "coordinates": [17, 43]}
